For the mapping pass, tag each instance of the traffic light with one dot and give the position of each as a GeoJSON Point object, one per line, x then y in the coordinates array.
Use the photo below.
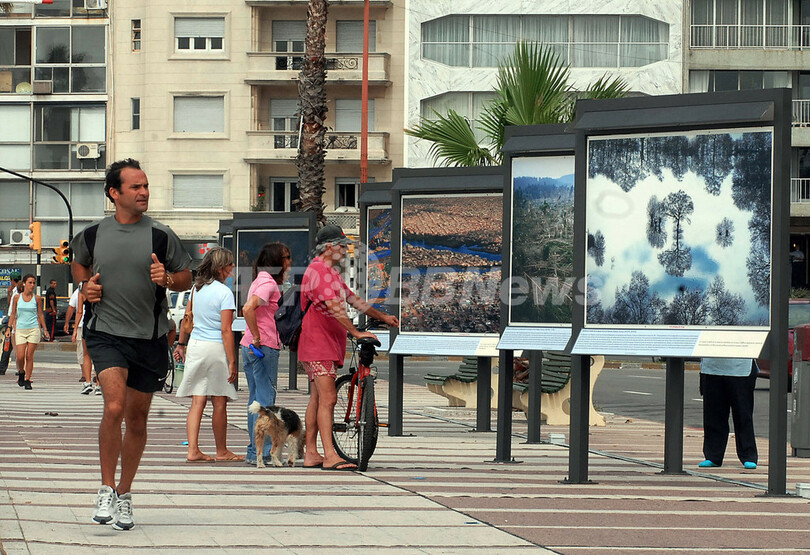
{"type": "Point", "coordinates": [62, 252]}
{"type": "Point", "coordinates": [36, 236]}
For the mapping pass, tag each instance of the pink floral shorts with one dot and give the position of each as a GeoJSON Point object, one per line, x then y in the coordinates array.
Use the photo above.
{"type": "Point", "coordinates": [318, 368]}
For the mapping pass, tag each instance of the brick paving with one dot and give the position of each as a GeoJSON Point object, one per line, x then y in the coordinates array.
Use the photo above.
{"type": "Point", "coordinates": [434, 490]}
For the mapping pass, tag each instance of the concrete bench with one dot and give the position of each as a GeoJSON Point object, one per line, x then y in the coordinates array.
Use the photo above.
{"type": "Point", "coordinates": [460, 388]}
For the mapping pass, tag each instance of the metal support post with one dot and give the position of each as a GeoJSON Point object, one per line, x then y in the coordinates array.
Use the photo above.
{"type": "Point", "coordinates": [396, 371]}
{"type": "Point", "coordinates": [578, 430]}
{"type": "Point", "coordinates": [483, 422]}
{"type": "Point", "coordinates": [293, 371]}
{"type": "Point", "coordinates": [503, 441]}
{"type": "Point", "coordinates": [535, 393]}
{"type": "Point", "coordinates": [673, 417]}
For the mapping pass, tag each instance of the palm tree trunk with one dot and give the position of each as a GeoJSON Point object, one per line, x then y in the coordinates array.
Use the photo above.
{"type": "Point", "coordinates": [312, 104]}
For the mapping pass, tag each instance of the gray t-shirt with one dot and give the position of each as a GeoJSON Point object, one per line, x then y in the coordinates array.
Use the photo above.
{"type": "Point", "coordinates": [131, 304]}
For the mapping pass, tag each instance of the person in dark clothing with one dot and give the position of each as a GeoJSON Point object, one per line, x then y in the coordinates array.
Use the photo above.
{"type": "Point", "coordinates": [50, 309]}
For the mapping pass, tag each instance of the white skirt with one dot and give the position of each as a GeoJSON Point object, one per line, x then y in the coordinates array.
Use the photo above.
{"type": "Point", "coordinates": [206, 371]}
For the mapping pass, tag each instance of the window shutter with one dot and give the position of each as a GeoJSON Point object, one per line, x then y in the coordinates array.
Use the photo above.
{"type": "Point", "coordinates": [199, 27]}
{"type": "Point", "coordinates": [285, 30]}
{"type": "Point", "coordinates": [347, 115]}
{"type": "Point", "coordinates": [283, 107]}
{"type": "Point", "coordinates": [350, 36]}
{"type": "Point", "coordinates": [199, 114]}
{"type": "Point", "coordinates": [197, 191]}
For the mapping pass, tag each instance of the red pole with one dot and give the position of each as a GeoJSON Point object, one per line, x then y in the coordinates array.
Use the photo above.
{"type": "Point", "coordinates": [364, 100]}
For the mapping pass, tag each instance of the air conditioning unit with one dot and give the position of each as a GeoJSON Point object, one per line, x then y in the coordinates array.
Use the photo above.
{"type": "Point", "coordinates": [95, 4]}
{"type": "Point", "coordinates": [85, 151]}
{"type": "Point", "coordinates": [42, 87]}
{"type": "Point", "coordinates": [20, 237]}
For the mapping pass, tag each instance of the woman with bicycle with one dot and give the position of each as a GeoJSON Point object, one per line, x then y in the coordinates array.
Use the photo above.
{"type": "Point", "coordinates": [322, 345]}
{"type": "Point", "coordinates": [210, 365]}
{"type": "Point", "coordinates": [261, 337]}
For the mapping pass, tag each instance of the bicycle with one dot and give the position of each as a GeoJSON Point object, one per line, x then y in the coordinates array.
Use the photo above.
{"type": "Point", "coordinates": [168, 385]}
{"type": "Point", "coordinates": [356, 423]}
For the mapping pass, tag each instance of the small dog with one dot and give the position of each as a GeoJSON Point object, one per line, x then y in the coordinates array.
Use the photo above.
{"type": "Point", "coordinates": [281, 426]}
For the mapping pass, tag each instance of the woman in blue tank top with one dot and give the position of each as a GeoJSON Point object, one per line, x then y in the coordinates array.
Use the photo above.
{"type": "Point", "coordinates": [29, 325]}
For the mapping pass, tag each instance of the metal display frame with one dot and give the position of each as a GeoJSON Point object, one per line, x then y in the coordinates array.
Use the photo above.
{"type": "Point", "coordinates": [535, 141]}
{"type": "Point", "coordinates": [377, 194]}
{"type": "Point", "coordinates": [678, 114]}
{"type": "Point", "coordinates": [433, 181]}
{"type": "Point", "coordinates": [283, 221]}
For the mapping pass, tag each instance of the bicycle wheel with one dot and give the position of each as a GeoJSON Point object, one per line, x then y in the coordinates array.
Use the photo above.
{"type": "Point", "coordinates": [168, 385]}
{"type": "Point", "coordinates": [369, 425]}
{"type": "Point", "coordinates": [345, 433]}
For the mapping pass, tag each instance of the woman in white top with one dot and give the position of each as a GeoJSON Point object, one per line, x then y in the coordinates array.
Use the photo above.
{"type": "Point", "coordinates": [210, 365]}
{"type": "Point", "coordinates": [29, 326]}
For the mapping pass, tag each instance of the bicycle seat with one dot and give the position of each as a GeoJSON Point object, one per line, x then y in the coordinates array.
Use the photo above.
{"type": "Point", "coordinates": [369, 341]}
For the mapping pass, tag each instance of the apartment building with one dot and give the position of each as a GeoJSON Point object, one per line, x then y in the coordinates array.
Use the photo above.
{"type": "Point", "coordinates": [54, 91]}
{"type": "Point", "coordinates": [753, 44]}
{"type": "Point", "coordinates": [206, 96]}
{"type": "Point", "coordinates": [454, 49]}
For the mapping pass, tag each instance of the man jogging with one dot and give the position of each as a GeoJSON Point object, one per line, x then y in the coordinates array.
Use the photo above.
{"type": "Point", "coordinates": [125, 262]}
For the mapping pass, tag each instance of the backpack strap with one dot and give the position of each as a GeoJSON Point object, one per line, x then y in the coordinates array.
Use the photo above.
{"type": "Point", "coordinates": [160, 246]}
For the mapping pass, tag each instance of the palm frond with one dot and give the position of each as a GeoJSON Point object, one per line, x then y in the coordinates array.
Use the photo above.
{"type": "Point", "coordinates": [454, 142]}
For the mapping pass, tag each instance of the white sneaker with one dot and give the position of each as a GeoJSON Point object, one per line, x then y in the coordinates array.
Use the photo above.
{"type": "Point", "coordinates": [87, 387]}
{"type": "Point", "coordinates": [105, 505]}
{"type": "Point", "coordinates": [97, 390]}
{"type": "Point", "coordinates": [123, 518]}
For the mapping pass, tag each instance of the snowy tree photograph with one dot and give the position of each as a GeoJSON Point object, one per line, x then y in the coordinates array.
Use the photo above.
{"type": "Point", "coordinates": [684, 223]}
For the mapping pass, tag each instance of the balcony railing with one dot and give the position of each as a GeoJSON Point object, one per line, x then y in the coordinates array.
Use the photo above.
{"type": "Point", "coordinates": [800, 189]}
{"type": "Point", "coordinates": [348, 221]}
{"type": "Point", "coordinates": [801, 113]}
{"type": "Point", "coordinates": [285, 66]}
{"type": "Point", "coordinates": [340, 147]}
{"type": "Point", "coordinates": [790, 37]}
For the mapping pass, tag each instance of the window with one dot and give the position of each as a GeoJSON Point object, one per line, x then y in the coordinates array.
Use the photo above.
{"type": "Point", "coordinates": [197, 191]}
{"type": "Point", "coordinates": [73, 59]}
{"type": "Point", "coordinates": [283, 194]}
{"type": "Point", "coordinates": [199, 114]}
{"type": "Point", "coordinates": [347, 191]}
{"type": "Point", "coordinates": [136, 35]}
{"type": "Point", "coordinates": [716, 80]}
{"type": "Point", "coordinates": [347, 115]}
{"type": "Point", "coordinates": [86, 200]}
{"type": "Point", "coordinates": [58, 129]}
{"type": "Point", "coordinates": [288, 36]}
{"type": "Point", "coordinates": [579, 40]}
{"type": "Point", "coordinates": [467, 104]}
{"type": "Point", "coordinates": [15, 60]}
{"type": "Point", "coordinates": [284, 118]}
{"type": "Point", "coordinates": [15, 140]}
{"type": "Point", "coordinates": [199, 34]}
{"type": "Point", "coordinates": [742, 23]}
{"type": "Point", "coordinates": [350, 36]}
{"type": "Point", "coordinates": [136, 113]}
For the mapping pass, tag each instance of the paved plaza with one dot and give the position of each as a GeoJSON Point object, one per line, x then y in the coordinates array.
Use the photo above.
{"type": "Point", "coordinates": [434, 490]}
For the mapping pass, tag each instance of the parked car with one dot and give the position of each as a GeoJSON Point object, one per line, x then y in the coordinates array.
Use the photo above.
{"type": "Point", "coordinates": [62, 304]}
{"type": "Point", "coordinates": [177, 304]}
{"type": "Point", "coordinates": [798, 314]}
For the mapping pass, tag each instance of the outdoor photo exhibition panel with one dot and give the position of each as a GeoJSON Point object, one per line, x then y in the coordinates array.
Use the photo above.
{"type": "Point", "coordinates": [538, 238]}
{"type": "Point", "coordinates": [679, 243]}
{"type": "Point", "coordinates": [374, 272]}
{"type": "Point", "coordinates": [450, 273]}
{"type": "Point", "coordinates": [446, 227]}
{"type": "Point", "coordinates": [250, 232]}
{"type": "Point", "coordinates": [681, 246]}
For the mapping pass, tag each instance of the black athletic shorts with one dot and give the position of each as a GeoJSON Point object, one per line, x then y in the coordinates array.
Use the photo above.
{"type": "Point", "coordinates": [146, 359]}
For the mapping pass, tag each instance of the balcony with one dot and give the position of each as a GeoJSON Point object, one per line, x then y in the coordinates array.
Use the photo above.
{"type": "Point", "coordinates": [332, 3]}
{"type": "Point", "coordinates": [267, 147]}
{"type": "Point", "coordinates": [266, 68]}
{"type": "Point", "coordinates": [800, 190]}
{"type": "Point", "coordinates": [349, 220]}
{"type": "Point", "coordinates": [776, 37]}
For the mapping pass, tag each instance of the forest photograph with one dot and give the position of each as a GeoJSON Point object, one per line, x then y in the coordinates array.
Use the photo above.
{"type": "Point", "coordinates": [378, 262]}
{"type": "Point", "coordinates": [679, 229]}
{"type": "Point", "coordinates": [542, 239]}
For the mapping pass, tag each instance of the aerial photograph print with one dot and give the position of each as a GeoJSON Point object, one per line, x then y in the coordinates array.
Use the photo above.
{"type": "Point", "coordinates": [679, 229]}
{"type": "Point", "coordinates": [378, 268]}
{"type": "Point", "coordinates": [542, 239]}
{"type": "Point", "coordinates": [451, 263]}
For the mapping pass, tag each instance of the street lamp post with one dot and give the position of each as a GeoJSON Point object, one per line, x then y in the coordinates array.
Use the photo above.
{"type": "Point", "coordinates": [58, 192]}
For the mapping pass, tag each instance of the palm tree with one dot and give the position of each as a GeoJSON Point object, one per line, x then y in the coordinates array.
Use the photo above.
{"type": "Point", "coordinates": [533, 87]}
{"type": "Point", "coordinates": [312, 106]}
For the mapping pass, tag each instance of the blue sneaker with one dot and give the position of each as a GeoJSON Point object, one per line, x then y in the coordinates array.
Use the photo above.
{"type": "Point", "coordinates": [708, 464]}
{"type": "Point", "coordinates": [750, 465]}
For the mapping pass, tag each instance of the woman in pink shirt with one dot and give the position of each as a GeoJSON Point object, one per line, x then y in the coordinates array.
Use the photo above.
{"type": "Point", "coordinates": [322, 345]}
{"type": "Point", "coordinates": [269, 272]}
